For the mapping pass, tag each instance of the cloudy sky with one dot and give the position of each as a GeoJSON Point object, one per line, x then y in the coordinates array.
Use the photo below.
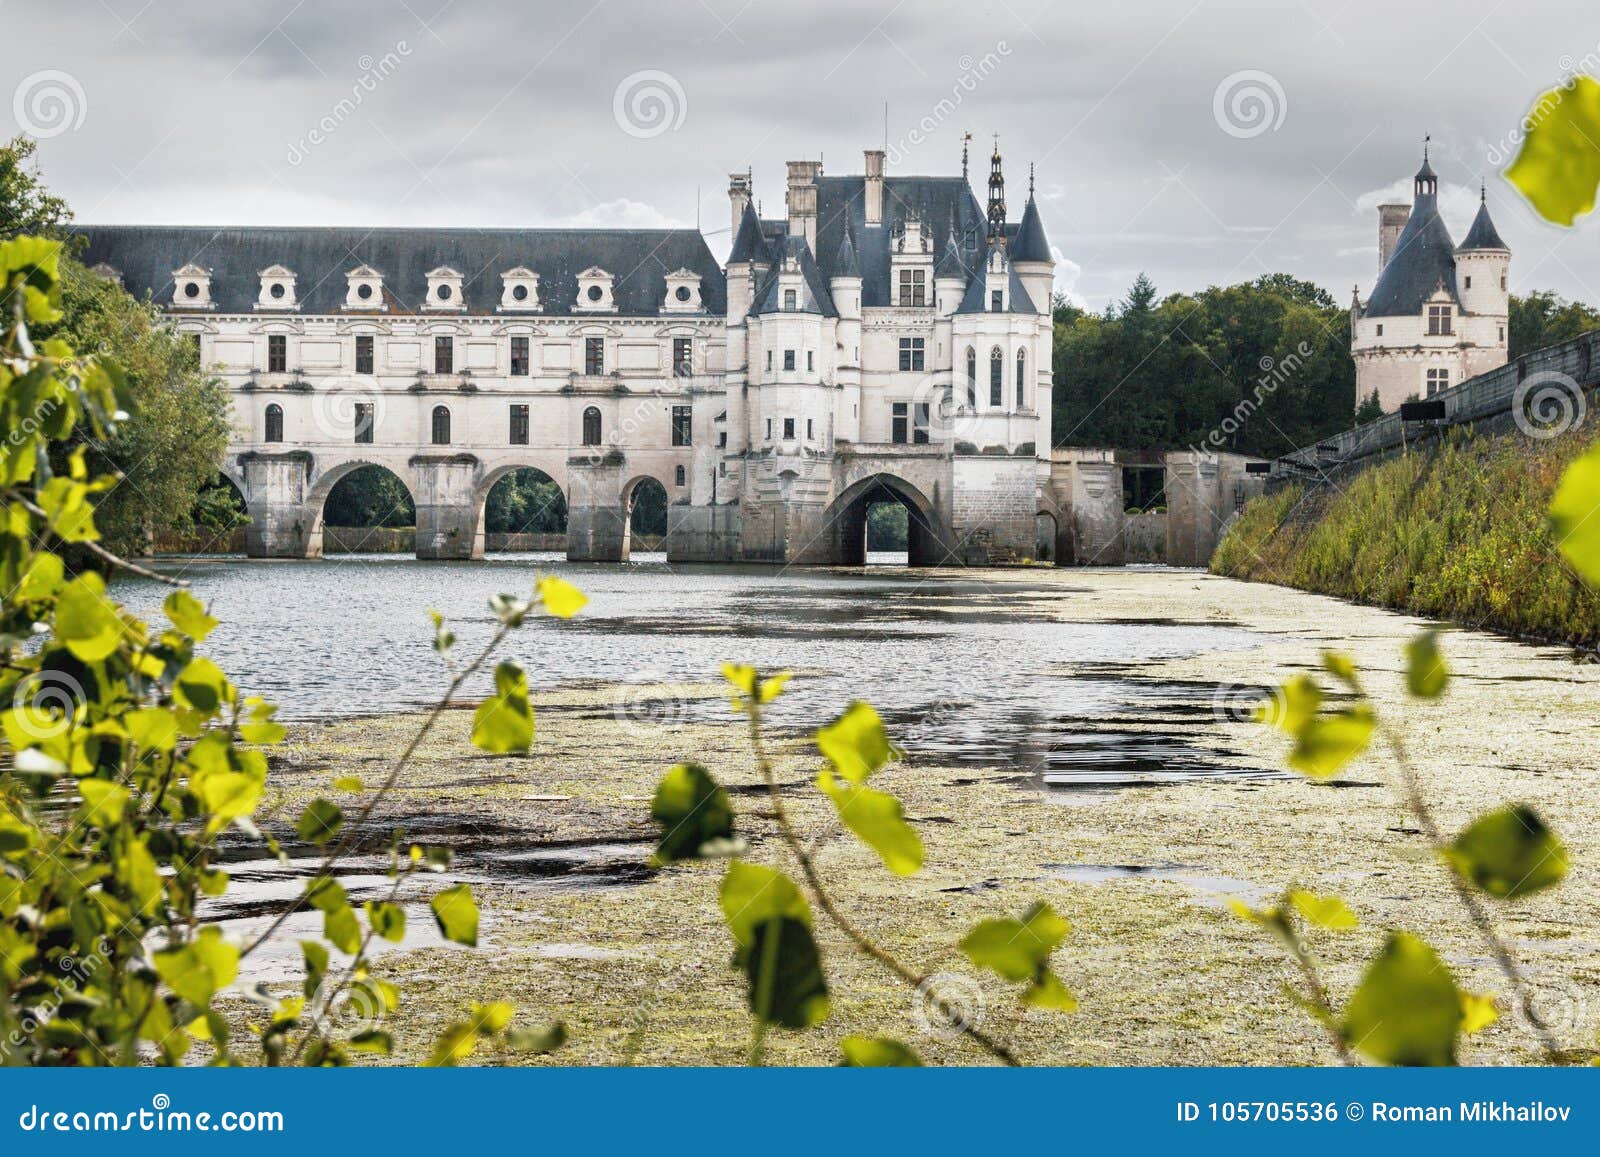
{"type": "Point", "coordinates": [1200, 141]}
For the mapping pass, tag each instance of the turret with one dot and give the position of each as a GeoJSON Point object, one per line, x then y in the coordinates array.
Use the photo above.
{"type": "Point", "coordinates": [950, 273]}
{"type": "Point", "coordinates": [1030, 254]}
{"type": "Point", "coordinates": [747, 260]}
{"type": "Point", "coordinates": [846, 281]}
{"type": "Point", "coordinates": [1483, 262]}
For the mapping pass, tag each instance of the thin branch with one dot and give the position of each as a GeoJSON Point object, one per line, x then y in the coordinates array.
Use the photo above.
{"type": "Point", "coordinates": [863, 943]}
{"type": "Point", "coordinates": [106, 556]}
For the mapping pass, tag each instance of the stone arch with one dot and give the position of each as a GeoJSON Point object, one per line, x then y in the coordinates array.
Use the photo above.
{"type": "Point", "coordinates": [551, 469]}
{"type": "Point", "coordinates": [1047, 536]}
{"type": "Point", "coordinates": [628, 496]}
{"type": "Point", "coordinates": [322, 486]}
{"type": "Point", "coordinates": [847, 519]}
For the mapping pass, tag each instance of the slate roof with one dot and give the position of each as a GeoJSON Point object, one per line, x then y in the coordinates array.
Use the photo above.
{"type": "Point", "coordinates": [976, 299]}
{"type": "Point", "coordinates": [1030, 243]}
{"type": "Point", "coordinates": [1483, 234]}
{"type": "Point", "coordinates": [749, 244]}
{"type": "Point", "coordinates": [639, 260]}
{"type": "Point", "coordinates": [1423, 260]}
{"type": "Point", "coordinates": [812, 296]}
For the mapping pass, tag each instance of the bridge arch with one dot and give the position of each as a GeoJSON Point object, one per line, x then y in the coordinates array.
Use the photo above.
{"type": "Point", "coordinates": [322, 488]}
{"type": "Point", "coordinates": [550, 467]}
{"type": "Point", "coordinates": [847, 519]}
{"type": "Point", "coordinates": [632, 491]}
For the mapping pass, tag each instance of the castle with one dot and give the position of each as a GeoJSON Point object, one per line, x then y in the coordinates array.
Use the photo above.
{"type": "Point", "coordinates": [1438, 313]}
{"type": "Point", "coordinates": [887, 339]}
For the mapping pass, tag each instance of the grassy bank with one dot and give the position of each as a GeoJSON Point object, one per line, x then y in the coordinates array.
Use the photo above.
{"type": "Point", "coordinates": [1458, 532]}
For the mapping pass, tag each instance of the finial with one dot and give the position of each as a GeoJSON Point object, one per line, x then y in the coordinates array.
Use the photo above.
{"type": "Point", "coordinates": [965, 137]}
{"type": "Point", "coordinates": [1426, 137]}
{"type": "Point", "coordinates": [1030, 180]}
{"type": "Point", "coordinates": [1483, 191]}
{"type": "Point", "coordinates": [997, 146]}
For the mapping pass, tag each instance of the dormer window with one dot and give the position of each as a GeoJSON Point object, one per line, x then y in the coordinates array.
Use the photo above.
{"type": "Point", "coordinates": [789, 301]}
{"type": "Point", "coordinates": [191, 288]}
{"type": "Point", "coordinates": [595, 291]}
{"type": "Point", "coordinates": [683, 292]}
{"type": "Point", "coordinates": [364, 289]}
{"type": "Point", "coordinates": [1439, 321]}
{"type": "Point", "coordinates": [997, 301]}
{"type": "Point", "coordinates": [444, 291]}
{"type": "Point", "coordinates": [519, 290]}
{"type": "Point", "coordinates": [277, 288]}
{"type": "Point", "coordinates": [913, 287]}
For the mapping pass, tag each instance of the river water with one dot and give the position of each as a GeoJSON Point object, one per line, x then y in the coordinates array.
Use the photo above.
{"type": "Point", "coordinates": [967, 670]}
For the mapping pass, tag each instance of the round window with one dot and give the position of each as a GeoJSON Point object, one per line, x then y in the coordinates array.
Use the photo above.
{"type": "Point", "coordinates": [277, 289]}
{"type": "Point", "coordinates": [519, 293]}
{"type": "Point", "coordinates": [363, 291]}
{"type": "Point", "coordinates": [683, 293]}
{"type": "Point", "coordinates": [596, 293]}
{"type": "Point", "coordinates": [191, 289]}
{"type": "Point", "coordinates": [444, 293]}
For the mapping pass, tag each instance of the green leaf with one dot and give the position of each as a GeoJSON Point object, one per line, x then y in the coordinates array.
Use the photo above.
{"type": "Point", "coordinates": [1325, 744]}
{"type": "Point", "coordinates": [372, 1041]}
{"type": "Point", "coordinates": [694, 813]}
{"type": "Point", "coordinates": [1509, 853]}
{"type": "Point", "coordinates": [1016, 949]}
{"type": "Point", "coordinates": [878, 820]}
{"type": "Point", "coordinates": [189, 615]}
{"type": "Point", "coordinates": [1292, 706]}
{"type": "Point", "coordinates": [1478, 1011]}
{"type": "Point", "coordinates": [136, 868]}
{"type": "Point", "coordinates": [43, 578]}
{"type": "Point", "coordinates": [503, 723]}
{"type": "Point", "coordinates": [1048, 992]}
{"type": "Point", "coordinates": [1406, 1010]}
{"type": "Point", "coordinates": [1324, 911]}
{"type": "Point", "coordinates": [509, 609]}
{"type": "Point", "coordinates": [85, 620]}
{"type": "Point", "coordinates": [340, 928]}
{"type": "Point", "coordinates": [784, 971]}
{"type": "Point", "coordinates": [320, 822]}
{"type": "Point", "coordinates": [152, 727]}
{"type": "Point", "coordinates": [103, 801]}
{"type": "Point", "coordinates": [878, 1052]}
{"type": "Point", "coordinates": [1426, 674]}
{"type": "Point", "coordinates": [457, 915]}
{"type": "Point", "coordinates": [387, 920]}
{"type": "Point", "coordinates": [856, 743]}
{"type": "Point", "coordinates": [202, 686]}
{"type": "Point", "coordinates": [349, 783]}
{"type": "Point", "coordinates": [200, 969]}
{"type": "Point", "coordinates": [1575, 515]}
{"type": "Point", "coordinates": [260, 728]}
{"type": "Point", "coordinates": [1558, 166]}
{"type": "Point", "coordinates": [753, 894]}
{"type": "Point", "coordinates": [443, 639]}
{"type": "Point", "coordinates": [537, 1040]}
{"type": "Point", "coordinates": [1341, 666]}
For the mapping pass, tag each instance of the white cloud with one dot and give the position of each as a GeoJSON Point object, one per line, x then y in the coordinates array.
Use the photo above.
{"type": "Point", "coordinates": [624, 213]}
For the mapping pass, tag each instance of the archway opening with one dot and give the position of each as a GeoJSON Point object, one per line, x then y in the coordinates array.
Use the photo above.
{"type": "Point", "coordinates": [525, 511]}
{"type": "Point", "coordinates": [369, 511]}
{"type": "Point", "coordinates": [883, 521]}
{"type": "Point", "coordinates": [646, 500]}
{"type": "Point", "coordinates": [216, 522]}
{"type": "Point", "coordinates": [1047, 533]}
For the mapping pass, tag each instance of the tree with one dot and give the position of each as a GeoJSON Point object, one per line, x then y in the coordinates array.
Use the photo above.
{"type": "Point", "coordinates": [26, 206]}
{"type": "Point", "coordinates": [525, 501]}
{"type": "Point", "coordinates": [369, 496]}
{"type": "Point", "coordinates": [1544, 319]}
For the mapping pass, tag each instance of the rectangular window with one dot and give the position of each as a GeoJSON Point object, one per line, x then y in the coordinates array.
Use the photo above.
{"type": "Point", "coordinates": [769, 361]}
{"type": "Point", "coordinates": [997, 301]}
{"type": "Point", "coordinates": [680, 425]}
{"type": "Point", "coordinates": [1439, 320]}
{"type": "Point", "coordinates": [811, 360]}
{"type": "Point", "coordinates": [912, 353]}
{"type": "Point", "coordinates": [897, 427]}
{"type": "Point", "coordinates": [788, 429]}
{"type": "Point", "coordinates": [519, 424]}
{"type": "Point", "coordinates": [789, 300]}
{"type": "Point", "coordinates": [444, 355]}
{"type": "Point", "coordinates": [1380, 329]}
{"type": "Point", "coordinates": [920, 423]}
{"type": "Point", "coordinates": [519, 357]}
{"type": "Point", "coordinates": [808, 430]}
{"type": "Point", "coordinates": [913, 287]}
{"type": "Point", "coordinates": [1469, 282]}
{"type": "Point", "coordinates": [1438, 380]}
{"type": "Point", "coordinates": [788, 359]}
{"type": "Point", "coordinates": [277, 353]}
{"type": "Point", "coordinates": [364, 422]}
{"type": "Point", "coordinates": [594, 356]}
{"type": "Point", "coordinates": [194, 340]}
{"type": "Point", "coordinates": [722, 439]}
{"type": "Point", "coordinates": [364, 353]}
{"type": "Point", "coordinates": [769, 429]}
{"type": "Point", "coordinates": [682, 357]}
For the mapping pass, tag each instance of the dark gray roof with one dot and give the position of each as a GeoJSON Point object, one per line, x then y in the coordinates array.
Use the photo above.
{"type": "Point", "coordinates": [844, 261]}
{"type": "Point", "coordinates": [842, 200]}
{"type": "Point", "coordinates": [976, 299]}
{"type": "Point", "coordinates": [1029, 242]}
{"type": "Point", "coordinates": [813, 296]}
{"type": "Point", "coordinates": [1483, 234]}
{"type": "Point", "coordinates": [1423, 260]}
{"type": "Point", "coordinates": [639, 259]}
{"type": "Point", "coordinates": [749, 244]}
{"type": "Point", "coordinates": [951, 263]}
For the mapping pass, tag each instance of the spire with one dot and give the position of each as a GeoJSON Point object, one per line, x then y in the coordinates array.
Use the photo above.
{"type": "Point", "coordinates": [1030, 243]}
{"type": "Point", "coordinates": [965, 137]}
{"type": "Point", "coordinates": [749, 245]}
{"type": "Point", "coordinates": [997, 196]}
{"type": "Point", "coordinates": [844, 262]}
{"type": "Point", "coordinates": [1483, 234]}
{"type": "Point", "coordinates": [1030, 180]}
{"type": "Point", "coordinates": [1426, 184]}
{"type": "Point", "coordinates": [950, 264]}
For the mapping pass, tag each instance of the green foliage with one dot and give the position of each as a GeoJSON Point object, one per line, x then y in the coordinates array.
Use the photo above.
{"type": "Point", "coordinates": [26, 206]}
{"type": "Point", "coordinates": [1019, 950]}
{"type": "Point", "coordinates": [856, 743]}
{"type": "Point", "coordinates": [783, 967]}
{"type": "Point", "coordinates": [1324, 741]}
{"type": "Point", "coordinates": [695, 815]}
{"type": "Point", "coordinates": [1543, 319]}
{"type": "Point", "coordinates": [1407, 1010]}
{"type": "Point", "coordinates": [1509, 853]}
{"type": "Point", "coordinates": [1575, 514]}
{"type": "Point", "coordinates": [888, 526]}
{"type": "Point", "coordinates": [503, 723]}
{"type": "Point", "coordinates": [369, 496]}
{"type": "Point", "coordinates": [1426, 673]}
{"type": "Point", "coordinates": [456, 913]}
{"type": "Point", "coordinates": [526, 501]}
{"type": "Point", "coordinates": [1458, 532]}
{"type": "Point", "coordinates": [1265, 364]}
{"type": "Point", "coordinates": [878, 820]}
{"type": "Point", "coordinates": [878, 1052]}
{"type": "Point", "coordinates": [1558, 168]}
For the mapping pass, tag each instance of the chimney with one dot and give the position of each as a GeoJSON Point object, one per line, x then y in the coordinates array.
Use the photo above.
{"type": "Point", "coordinates": [803, 200]}
{"type": "Point", "coordinates": [874, 186]}
{"type": "Point", "coordinates": [739, 197]}
{"type": "Point", "coordinates": [1391, 223]}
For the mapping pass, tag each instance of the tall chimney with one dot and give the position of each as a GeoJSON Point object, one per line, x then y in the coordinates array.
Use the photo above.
{"type": "Point", "coordinates": [803, 201]}
{"type": "Point", "coordinates": [738, 197]}
{"type": "Point", "coordinates": [1391, 223]}
{"type": "Point", "coordinates": [874, 186]}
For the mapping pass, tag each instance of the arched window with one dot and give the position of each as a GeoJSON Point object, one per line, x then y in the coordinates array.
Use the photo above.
{"type": "Point", "coordinates": [274, 423]}
{"type": "Point", "coordinates": [997, 377]}
{"type": "Point", "coordinates": [680, 476]}
{"type": "Point", "coordinates": [591, 427]}
{"type": "Point", "coordinates": [972, 378]}
{"type": "Point", "coordinates": [1022, 379]}
{"type": "Point", "coordinates": [441, 425]}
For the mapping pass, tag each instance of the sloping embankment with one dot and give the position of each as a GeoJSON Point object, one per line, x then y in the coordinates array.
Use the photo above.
{"type": "Point", "coordinates": [1457, 531]}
